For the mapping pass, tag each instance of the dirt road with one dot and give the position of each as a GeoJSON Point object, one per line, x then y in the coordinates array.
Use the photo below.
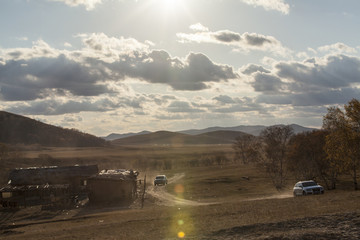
{"type": "Point", "coordinates": [162, 197]}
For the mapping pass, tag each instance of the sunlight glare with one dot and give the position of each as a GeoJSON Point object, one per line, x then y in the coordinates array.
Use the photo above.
{"type": "Point", "coordinates": [170, 5]}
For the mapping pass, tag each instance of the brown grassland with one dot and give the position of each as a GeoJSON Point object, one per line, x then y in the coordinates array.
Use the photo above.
{"type": "Point", "coordinates": [225, 200]}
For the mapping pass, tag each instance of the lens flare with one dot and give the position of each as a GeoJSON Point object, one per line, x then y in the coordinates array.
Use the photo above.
{"type": "Point", "coordinates": [181, 234]}
{"type": "Point", "coordinates": [179, 188]}
{"type": "Point", "coordinates": [180, 222]}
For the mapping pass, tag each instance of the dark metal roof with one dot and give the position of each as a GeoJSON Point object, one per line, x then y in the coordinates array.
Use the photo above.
{"type": "Point", "coordinates": [10, 188]}
{"type": "Point", "coordinates": [50, 175]}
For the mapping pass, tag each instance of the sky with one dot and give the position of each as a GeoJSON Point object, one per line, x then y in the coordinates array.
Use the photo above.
{"type": "Point", "coordinates": [119, 66]}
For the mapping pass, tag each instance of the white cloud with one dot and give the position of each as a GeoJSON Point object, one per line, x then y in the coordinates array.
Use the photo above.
{"type": "Point", "coordinates": [68, 45]}
{"type": "Point", "coordinates": [42, 71]}
{"type": "Point", "coordinates": [39, 49]}
{"type": "Point", "coordinates": [333, 79]}
{"type": "Point", "coordinates": [276, 5]}
{"type": "Point", "coordinates": [239, 42]}
{"type": "Point", "coordinates": [198, 27]}
{"type": "Point", "coordinates": [88, 4]}
{"type": "Point", "coordinates": [22, 38]}
{"type": "Point", "coordinates": [337, 48]}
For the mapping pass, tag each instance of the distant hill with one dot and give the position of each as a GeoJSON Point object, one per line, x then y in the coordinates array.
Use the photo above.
{"type": "Point", "coordinates": [253, 130]}
{"type": "Point", "coordinates": [114, 136]}
{"type": "Point", "coordinates": [16, 129]}
{"type": "Point", "coordinates": [173, 138]}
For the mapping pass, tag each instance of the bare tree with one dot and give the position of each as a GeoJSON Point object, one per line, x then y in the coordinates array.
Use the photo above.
{"type": "Point", "coordinates": [246, 148]}
{"type": "Point", "coordinates": [275, 140]}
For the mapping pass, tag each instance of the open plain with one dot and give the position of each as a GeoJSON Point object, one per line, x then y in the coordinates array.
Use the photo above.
{"type": "Point", "coordinates": [225, 200]}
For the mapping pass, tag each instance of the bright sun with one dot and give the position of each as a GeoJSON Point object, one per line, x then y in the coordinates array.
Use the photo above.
{"type": "Point", "coordinates": [170, 5]}
{"type": "Point", "coordinates": [167, 9]}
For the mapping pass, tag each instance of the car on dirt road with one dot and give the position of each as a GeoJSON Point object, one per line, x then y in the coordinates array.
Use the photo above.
{"type": "Point", "coordinates": [160, 180]}
{"type": "Point", "coordinates": [307, 188]}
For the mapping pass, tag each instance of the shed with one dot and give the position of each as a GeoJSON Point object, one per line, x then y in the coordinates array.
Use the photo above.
{"type": "Point", "coordinates": [112, 186]}
{"type": "Point", "coordinates": [43, 185]}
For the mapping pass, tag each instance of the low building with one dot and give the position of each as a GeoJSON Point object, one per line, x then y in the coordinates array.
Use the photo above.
{"type": "Point", "coordinates": [113, 186]}
{"type": "Point", "coordinates": [44, 185]}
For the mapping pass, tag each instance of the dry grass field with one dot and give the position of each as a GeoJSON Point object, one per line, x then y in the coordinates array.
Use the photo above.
{"type": "Point", "coordinates": [226, 201]}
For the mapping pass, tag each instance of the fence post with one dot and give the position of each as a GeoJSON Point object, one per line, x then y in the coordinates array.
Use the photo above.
{"type": "Point", "coordinates": [143, 195]}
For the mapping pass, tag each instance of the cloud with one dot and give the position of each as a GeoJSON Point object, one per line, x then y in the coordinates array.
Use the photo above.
{"type": "Point", "coordinates": [130, 58]}
{"type": "Point", "coordinates": [41, 77]}
{"type": "Point", "coordinates": [337, 48]}
{"type": "Point", "coordinates": [227, 104]}
{"type": "Point", "coordinates": [99, 46]}
{"type": "Point", "coordinates": [182, 107]}
{"type": "Point", "coordinates": [68, 45]}
{"type": "Point", "coordinates": [318, 98]}
{"type": "Point", "coordinates": [239, 42]}
{"type": "Point", "coordinates": [276, 5]}
{"type": "Point", "coordinates": [59, 106]}
{"type": "Point", "coordinates": [39, 49]}
{"type": "Point", "coordinates": [252, 68]}
{"type": "Point", "coordinates": [192, 73]}
{"type": "Point", "coordinates": [88, 4]}
{"type": "Point", "coordinates": [72, 118]}
{"type": "Point", "coordinates": [227, 36]}
{"type": "Point", "coordinates": [198, 27]}
{"type": "Point", "coordinates": [42, 71]}
{"type": "Point", "coordinates": [267, 83]}
{"type": "Point", "coordinates": [333, 79]}
{"type": "Point", "coordinates": [330, 72]}
{"type": "Point", "coordinates": [224, 99]}
{"type": "Point", "coordinates": [22, 38]}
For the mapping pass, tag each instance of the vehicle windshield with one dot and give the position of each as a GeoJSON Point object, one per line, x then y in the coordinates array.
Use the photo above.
{"type": "Point", "coordinates": [308, 184]}
{"type": "Point", "coordinates": [160, 177]}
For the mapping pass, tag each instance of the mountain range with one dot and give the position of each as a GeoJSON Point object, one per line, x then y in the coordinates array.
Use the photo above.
{"type": "Point", "coordinates": [213, 135]}
{"type": "Point", "coordinates": [17, 129]}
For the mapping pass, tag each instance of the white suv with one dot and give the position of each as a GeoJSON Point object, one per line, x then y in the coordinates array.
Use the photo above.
{"type": "Point", "coordinates": [307, 187]}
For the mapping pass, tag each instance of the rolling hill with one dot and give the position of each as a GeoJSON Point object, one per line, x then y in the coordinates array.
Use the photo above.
{"type": "Point", "coordinates": [16, 129]}
{"type": "Point", "coordinates": [173, 138]}
{"type": "Point", "coordinates": [114, 136]}
{"type": "Point", "coordinates": [206, 133]}
{"type": "Point", "coordinates": [253, 130]}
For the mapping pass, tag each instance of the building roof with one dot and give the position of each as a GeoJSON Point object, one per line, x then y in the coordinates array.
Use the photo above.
{"type": "Point", "coordinates": [50, 175]}
{"type": "Point", "coordinates": [117, 174]}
